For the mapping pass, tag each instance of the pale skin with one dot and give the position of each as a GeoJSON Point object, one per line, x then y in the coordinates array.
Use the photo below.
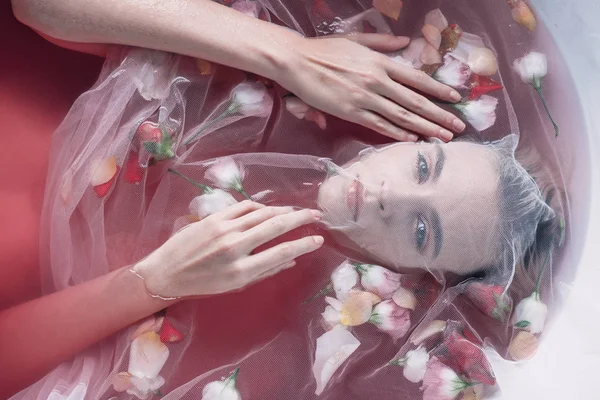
{"type": "Point", "coordinates": [338, 75]}
{"type": "Point", "coordinates": [220, 258]}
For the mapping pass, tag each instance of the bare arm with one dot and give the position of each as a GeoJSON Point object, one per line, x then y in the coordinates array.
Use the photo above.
{"type": "Point", "coordinates": [333, 74]}
{"type": "Point", "coordinates": [38, 335]}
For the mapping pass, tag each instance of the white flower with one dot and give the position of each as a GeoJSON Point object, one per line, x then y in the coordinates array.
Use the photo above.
{"type": "Point", "coordinates": [391, 318]}
{"type": "Point", "coordinates": [415, 364]}
{"type": "Point", "coordinates": [222, 390]}
{"type": "Point", "coordinates": [210, 203]}
{"type": "Point", "coordinates": [251, 98]}
{"type": "Point", "coordinates": [147, 357]}
{"type": "Point", "coordinates": [453, 72]}
{"type": "Point", "coordinates": [343, 279]}
{"type": "Point", "coordinates": [378, 280]}
{"type": "Point", "coordinates": [480, 113]}
{"type": "Point", "coordinates": [226, 174]}
{"type": "Point", "coordinates": [333, 348]}
{"type": "Point", "coordinates": [440, 382]}
{"type": "Point", "coordinates": [530, 314]}
{"type": "Point", "coordinates": [532, 68]}
{"type": "Point", "coordinates": [333, 312]}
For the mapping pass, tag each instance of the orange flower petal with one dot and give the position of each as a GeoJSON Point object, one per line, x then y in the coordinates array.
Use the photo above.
{"type": "Point", "coordinates": [205, 67]}
{"type": "Point", "coordinates": [146, 326]}
{"type": "Point", "coordinates": [391, 8]}
{"type": "Point", "coordinates": [432, 35]}
{"type": "Point", "coordinates": [405, 298]}
{"type": "Point", "coordinates": [357, 308]}
{"type": "Point", "coordinates": [103, 171]}
{"type": "Point", "coordinates": [522, 15]}
{"type": "Point", "coordinates": [523, 346]}
{"type": "Point", "coordinates": [121, 381]}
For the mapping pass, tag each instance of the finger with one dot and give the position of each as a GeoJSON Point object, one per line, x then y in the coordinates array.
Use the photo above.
{"type": "Point", "coordinates": [384, 127]}
{"type": "Point", "coordinates": [275, 270]}
{"type": "Point", "coordinates": [237, 210]}
{"type": "Point", "coordinates": [260, 263]}
{"type": "Point", "coordinates": [421, 106]}
{"type": "Point", "coordinates": [382, 42]}
{"type": "Point", "coordinates": [277, 226]}
{"type": "Point", "coordinates": [421, 81]}
{"type": "Point", "coordinates": [254, 218]}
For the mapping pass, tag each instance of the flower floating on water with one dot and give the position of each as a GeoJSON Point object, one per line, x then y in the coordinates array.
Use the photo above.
{"type": "Point", "coordinates": [390, 8]}
{"type": "Point", "coordinates": [247, 99]}
{"type": "Point", "coordinates": [378, 280]}
{"type": "Point", "coordinates": [415, 364]}
{"type": "Point", "coordinates": [523, 346]}
{"type": "Point", "coordinates": [103, 175]}
{"type": "Point", "coordinates": [530, 314]}
{"type": "Point", "coordinates": [480, 113]}
{"type": "Point", "coordinates": [358, 308]}
{"type": "Point", "coordinates": [405, 298]}
{"type": "Point", "coordinates": [134, 173]}
{"type": "Point", "coordinates": [453, 72]}
{"type": "Point", "coordinates": [441, 382]}
{"type": "Point", "coordinates": [333, 312]}
{"type": "Point", "coordinates": [301, 110]}
{"type": "Point", "coordinates": [522, 14]}
{"type": "Point", "coordinates": [481, 85]}
{"type": "Point", "coordinates": [333, 349]}
{"type": "Point", "coordinates": [210, 203]}
{"type": "Point", "coordinates": [147, 357]}
{"type": "Point", "coordinates": [490, 299]}
{"type": "Point", "coordinates": [222, 390]}
{"type": "Point", "coordinates": [170, 334]}
{"type": "Point", "coordinates": [467, 358]}
{"type": "Point", "coordinates": [156, 140]}
{"type": "Point", "coordinates": [532, 68]}
{"type": "Point", "coordinates": [343, 279]}
{"type": "Point", "coordinates": [205, 67]}
{"type": "Point", "coordinates": [391, 318]}
{"type": "Point", "coordinates": [227, 174]}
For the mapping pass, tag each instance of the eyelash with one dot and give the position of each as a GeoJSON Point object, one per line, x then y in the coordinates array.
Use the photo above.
{"type": "Point", "coordinates": [422, 168]}
{"type": "Point", "coordinates": [420, 233]}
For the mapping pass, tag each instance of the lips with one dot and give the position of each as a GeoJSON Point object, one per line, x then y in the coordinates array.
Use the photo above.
{"type": "Point", "coordinates": [355, 198]}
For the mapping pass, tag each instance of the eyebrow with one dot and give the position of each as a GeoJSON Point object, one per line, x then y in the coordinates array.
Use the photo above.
{"type": "Point", "coordinates": [438, 236]}
{"type": "Point", "coordinates": [439, 164]}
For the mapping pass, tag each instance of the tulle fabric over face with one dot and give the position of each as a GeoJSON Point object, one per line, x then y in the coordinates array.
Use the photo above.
{"type": "Point", "coordinates": [111, 200]}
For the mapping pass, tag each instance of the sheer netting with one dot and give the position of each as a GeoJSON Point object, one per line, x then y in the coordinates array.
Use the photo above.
{"type": "Point", "coordinates": [435, 253]}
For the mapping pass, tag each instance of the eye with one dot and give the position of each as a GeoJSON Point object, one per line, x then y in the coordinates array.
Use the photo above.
{"type": "Point", "coordinates": [422, 168]}
{"type": "Point", "coordinates": [421, 233]}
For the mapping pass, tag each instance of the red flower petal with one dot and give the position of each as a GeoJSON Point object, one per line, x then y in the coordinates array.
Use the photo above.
{"type": "Point", "coordinates": [102, 190]}
{"type": "Point", "coordinates": [468, 359]}
{"type": "Point", "coordinates": [489, 299]}
{"type": "Point", "coordinates": [168, 333]}
{"type": "Point", "coordinates": [149, 132]}
{"type": "Point", "coordinates": [481, 85]}
{"type": "Point", "coordinates": [134, 172]}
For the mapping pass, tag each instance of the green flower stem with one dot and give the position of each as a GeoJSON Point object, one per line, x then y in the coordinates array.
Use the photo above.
{"type": "Point", "coordinates": [321, 292]}
{"type": "Point", "coordinates": [205, 188]}
{"type": "Point", "coordinates": [537, 84]}
{"type": "Point", "coordinates": [243, 192]}
{"type": "Point", "coordinates": [232, 109]}
{"type": "Point", "coordinates": [539, 279]}
{"type": "Point", "coordinates": [400, 362]}
{"type": "Point", "coordinates": [361, 268]}
{"type": "Point", "coordinates": [231, 380]}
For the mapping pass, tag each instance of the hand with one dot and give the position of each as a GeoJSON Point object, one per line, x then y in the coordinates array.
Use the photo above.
{"type": "Point", "coordinates": [342, 77]}
{"type": "Point", "coordinates": [215, 255]}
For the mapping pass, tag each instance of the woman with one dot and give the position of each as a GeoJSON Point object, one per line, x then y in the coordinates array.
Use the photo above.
{"type": "Point", "coordinates": [150, 117]}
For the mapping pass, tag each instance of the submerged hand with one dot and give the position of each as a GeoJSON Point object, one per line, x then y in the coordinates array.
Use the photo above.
{"type": "Point", "coordinates": [344, 77]}
{"type": "Point", "coordinates": [215, 255]}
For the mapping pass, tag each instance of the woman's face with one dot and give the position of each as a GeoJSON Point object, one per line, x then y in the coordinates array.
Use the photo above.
{"type": "Point", "coordinates": [417, 205]}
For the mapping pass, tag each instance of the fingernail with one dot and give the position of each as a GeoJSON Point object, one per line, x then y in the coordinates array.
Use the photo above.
{"type": "Point", "coordinates": [318, 240]}
{"type": "Point", "coordinates": [455, 96]}
{"type": "Point", "coordinates": [290, 264]}
{"type": "Point", "coordinates": [458, 125]}
{"type": "Point", "coordinates": [446, 135]}
{"type": "Point", "coordinates": [317, 214]}
{"type": "Point", "coordinates": [412, 138]}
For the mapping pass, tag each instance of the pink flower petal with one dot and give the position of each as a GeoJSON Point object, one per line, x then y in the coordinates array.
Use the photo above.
{"type": "Point", "coordinates": [333, 349]}
{"type": "Point", "coordinates": [430, 55]}
{"type": "Point", "coordinates": [432, 35]}
{"type": "Point", "coordinates": [297, 107]}
{"type": "Point", "coordinates": [121, 381]}
{"type": "Point", "coordinates": [436, 18]}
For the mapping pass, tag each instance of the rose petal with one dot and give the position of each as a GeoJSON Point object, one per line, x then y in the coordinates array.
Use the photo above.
{"type": "Point", "coordinates": [357, 308]}
{"type": "Point", "coordinates": [434, 327]}
{"type": "Point", "coordinates": [432, 35]}
{"type": "Point", "coordinates": [436, 18]}
{"type": "Point", "coordinates": [482, 61]}
{"type": "Point", "coordinates": [430, 55]}
{"type": "Point", "coordinates": [405, 298]}
{"type": "Point", "coordinates": [103, 171]}
{"type": "Point", "coordinates": [391, 8]}
{"type": "Point", "coordinates": [146, 326]}
{"type": "Point", "coordinates": [522, 15]}
{"type": "Point", "coordinates": [121, 381]}
{"type": "Point", "coordinates": [333, 349]}
{"type": "Point", "coordinates": [147, 356]}
{"type": "Point", "coordinates": [297, 107]}
{"type": "Point", "coordinates": [523, 346]}
{"type": "Point", "coordinates": [205, 67]}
